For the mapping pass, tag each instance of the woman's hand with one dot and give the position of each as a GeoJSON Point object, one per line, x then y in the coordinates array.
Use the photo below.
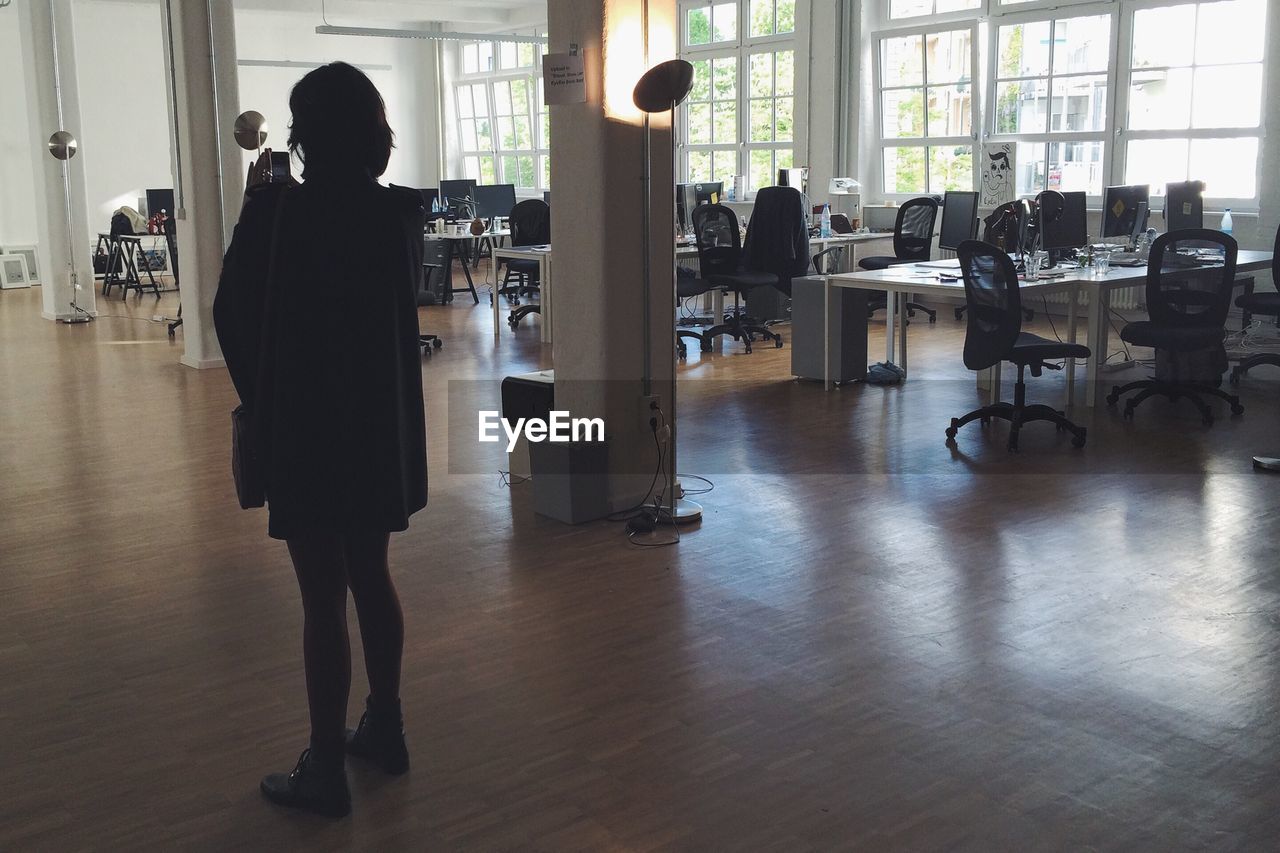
{"type": "Point", "coordinates": [260, 172]}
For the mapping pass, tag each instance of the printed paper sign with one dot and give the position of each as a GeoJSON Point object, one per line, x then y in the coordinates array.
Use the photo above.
{"type": "Point", "coordinates": [998, 183]}
{"type": "Point", "coordinates": [563, 79]}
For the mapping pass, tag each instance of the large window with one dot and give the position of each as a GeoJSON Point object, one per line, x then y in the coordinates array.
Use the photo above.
{"type": "Point", "coordinates": [916, 8]}
{"type": "Point", "coordinates": [927, 111]}
{"type": "Point", "coordinates": [1194, 97]}
{"type": "Point", "coordinates": [1051, 90]}
{"type": "Point", "coordinates": [740, 118]}
{"type": "Point", "coordinates": [504, 135]}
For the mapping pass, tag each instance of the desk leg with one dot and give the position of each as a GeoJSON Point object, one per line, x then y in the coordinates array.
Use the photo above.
{"type": "Point", "coordinates": [1073, 297]}
{"type": "Point", "coordinates": [545, 296]}
{"type": "Point", "coordinates": [1099, 302]}
{"type": "Point", "coordinates": [826, 335]}
{"type": "Point", "coordinates": [890, 320]}
{"type": "Point", "coordinates": [902, 334]}
{"type": "Point", "coordinates": [493, 299]}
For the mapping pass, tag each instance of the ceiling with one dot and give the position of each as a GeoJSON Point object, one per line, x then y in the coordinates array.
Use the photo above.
{"type": "Point", "coordinates": [470, 15]}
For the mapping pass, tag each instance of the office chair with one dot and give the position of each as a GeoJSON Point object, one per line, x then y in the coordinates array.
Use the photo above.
{"type": "Point", "coordinates": [1187, 304]}
{"type": "Point", "coordinates": [994, 334]}
{"type": "Point", "coordinates": [430, 266]}
{"type": "Point", "coordinates": [1267, 304]}
{"type": "Point", "coordinates": [1004, 229]}
{"type": "Point", "coordinates": [530, 226]}
{"type": "Point", "coordinates": [912, 242]}
{"type": "Point", "coordinates": [687, 287]}
{"type": "Point", "coordinates": [715, 228]}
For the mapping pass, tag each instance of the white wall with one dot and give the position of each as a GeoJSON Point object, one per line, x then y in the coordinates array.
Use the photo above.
{"type": "Point", "coordinates": [124, 134]}
{"type": "Point", "coordinates": [17, 186]}
{"type": "Point", "coordinates": [402, 69]}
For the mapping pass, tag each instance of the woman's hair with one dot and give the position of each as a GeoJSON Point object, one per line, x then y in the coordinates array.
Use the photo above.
{"type": "Point", "coordinates": [339, 122]}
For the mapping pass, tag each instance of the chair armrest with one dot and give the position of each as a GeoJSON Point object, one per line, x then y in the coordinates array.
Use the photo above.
{"type": "Point", "coordinates": [818, 266]}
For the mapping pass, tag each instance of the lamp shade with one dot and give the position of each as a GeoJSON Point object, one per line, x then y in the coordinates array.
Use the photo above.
{"type": "Point", "coordinates": [250, 130]}
{"type": "Point", "coordinates": [63, 145]}
{"type": "Point", "coordinates": [663, 86]}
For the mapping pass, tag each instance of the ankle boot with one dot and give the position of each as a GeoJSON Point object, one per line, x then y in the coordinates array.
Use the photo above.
{"type": "Point", "coordinates": [379, 739]}
{"type": "Point", "coordinates": [316, 785]}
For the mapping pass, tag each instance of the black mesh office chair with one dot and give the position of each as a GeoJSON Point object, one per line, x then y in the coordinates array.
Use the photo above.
{"type": "Point", "coordinates": [1187, 302]}
{"type": "Point", "coordinates": [994, 334]}
{"type": "Point", "coordinates": [688, 287]}
{"type": "Point", "coordinates": [912, 242]}
{"type": "Point", "coordinates": [530, 226]}
{"type": "Point", "coordinates": [1003, 229]}
{"type": "Point", "coordinates": [715, 228]}
{"type": "Point", "coordinates": [1267, 304]}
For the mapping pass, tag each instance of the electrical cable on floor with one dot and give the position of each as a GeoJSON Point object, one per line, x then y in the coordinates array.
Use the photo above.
{"type": "Point", "coordinates": [710, 485]}
{"type": "Point", "coordinates": [632, 512]}
{"type": "Point", "coordinates": [656, 510]}
{"type": "Point", "coordinates": [506, 479]}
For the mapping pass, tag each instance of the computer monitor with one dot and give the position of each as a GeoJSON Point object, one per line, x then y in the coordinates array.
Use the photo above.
{"type": "Point", "coordinates": [158, 200]}
{"type": "Point", "coordinates": [1065, 229]}
{"type": "Point", "coordinates": [1120, 209]}
{"type": "Point", "coordinates": [451, 191]}
{"type": "Point", "coordinates": [797, 177]}
{"type": "Point", "coordinates": [709, 192]}
{"type": "Point", "coordinates": [430, 196]}
{"type": "Point", "coordinates": [546, 196]}
{"type": "Point", "coordinates": [1139, 222]}
{"type": "Point", "coordinates": [686, 201]}
{"type": "Point", "coordinates": [959, 219]}
{"type": "Point", "coordinates": [1184, 205]}
{"type": "Point", "coordinates": [494, 200]}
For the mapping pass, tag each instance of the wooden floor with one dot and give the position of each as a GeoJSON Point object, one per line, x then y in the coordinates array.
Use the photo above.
{"type": "Point", "coordinates": [871, 642]}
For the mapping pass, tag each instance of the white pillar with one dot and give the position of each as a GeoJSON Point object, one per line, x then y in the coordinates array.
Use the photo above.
{"type": "Point", "coordinates": [53, 103]}
{"type": "Point", "coordinates": [210, 185]}
{"type": "Point", "coordinates": [596, 221]}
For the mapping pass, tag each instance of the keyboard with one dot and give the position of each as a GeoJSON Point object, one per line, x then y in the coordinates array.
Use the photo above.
{"type": "Point", "coordinates": [1127, 259]}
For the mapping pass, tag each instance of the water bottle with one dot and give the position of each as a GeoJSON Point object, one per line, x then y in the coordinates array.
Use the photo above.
{"type": "Point", "coordinates": [1226, 222]}
{"type": "Point", "coordinates": [824, 229]}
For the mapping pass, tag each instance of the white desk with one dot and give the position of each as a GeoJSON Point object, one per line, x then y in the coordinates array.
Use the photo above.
{"type": "Point", "coordinates": [910, 278]}
{"type": "Point", "coordinates": [541, 254]}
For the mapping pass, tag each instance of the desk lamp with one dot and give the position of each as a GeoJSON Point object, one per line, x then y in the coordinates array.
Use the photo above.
{"type": "Point", "coordinates": [661, 89]}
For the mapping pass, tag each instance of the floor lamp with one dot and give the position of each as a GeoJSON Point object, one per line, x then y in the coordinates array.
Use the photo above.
{"type": "Point", "coordinates": [662, 88]}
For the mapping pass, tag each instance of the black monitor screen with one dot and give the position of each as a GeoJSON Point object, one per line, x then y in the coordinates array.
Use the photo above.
{"type": "Point", "coordinates": [158, 200]}
{"type": "Point", "coordinates": [709, 192]}
{"type": "Point", "coordinates": [494, 200]}
{"type": "Point", "coordinates": [1120, 209]}
{"type": "Point", "coordinates": [1184, 205]}
{"type": "Point", "coordinates": [959, 219]}
{"type": "Point", "coordinates": [430, 196]}
{"type": "Point", "coordinates": [457, 190]}
{"type": "Point", "coordinates": [797, 177]}
{"type": "Point", "coordinates": [1070, 230]}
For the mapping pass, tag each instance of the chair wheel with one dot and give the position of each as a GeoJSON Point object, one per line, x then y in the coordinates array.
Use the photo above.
{"type": "Point", "coordinates": [1113, 397]}
{"type": "Point", "coordinates": [959, 312]}
{"type": "Point", "coordinates": [1234, 379]}
{"type": "Point", "coordinates": [777, 343]}
{"type": "Point", "coordinates": [1128, 413]}
{"type": "Point", "coordinates": [1237, 409]}
{"type": "Point", "coordinates": [705, 346]}
{"type": "Point", "coordinates": [1078, 440]}
{"type": "Point", "coordinates": [951, 435]}
{"type": "Point", "coordinates": [437, 343]}
{"type": "Point", "coordinates": [933, 318]}
{"type": "Point", "coordinates": [1207, 420]}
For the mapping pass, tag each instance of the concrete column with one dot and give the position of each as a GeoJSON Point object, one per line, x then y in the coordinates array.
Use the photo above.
{"type": "Point", "coordinates": [210, 185]}
{"type": "Point", "coordinates": [596, 165]}
{"type": "Point", "coordinates": [53, 103]}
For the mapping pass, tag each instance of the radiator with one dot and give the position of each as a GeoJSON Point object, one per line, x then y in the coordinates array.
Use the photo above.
{"type": "Point", "coordinates": [1122, 298]}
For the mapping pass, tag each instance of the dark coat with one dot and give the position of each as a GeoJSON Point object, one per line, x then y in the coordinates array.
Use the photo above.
{"type": "Point", "coordinates": [777, 239]}
{"type": "Point", "coordinates": [335, 385]}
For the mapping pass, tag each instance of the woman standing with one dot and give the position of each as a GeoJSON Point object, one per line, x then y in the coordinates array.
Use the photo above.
{"type": "Point", "coordinates": [316, 312]}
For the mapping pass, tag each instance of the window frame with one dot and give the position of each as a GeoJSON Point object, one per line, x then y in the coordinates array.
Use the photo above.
{"type": "Point", "coordinates": [742, 48]}
{"type": "Point", "coordinates": [537, 108]}
{"type": "Point", "coordinates": [1107, 135]}
{"type": "Point", "coordinates": [940, 20]}
{"type": "Point", "coordinates": [1123, 135]}
{"type": "Point", "coordinates": [925, 142]}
